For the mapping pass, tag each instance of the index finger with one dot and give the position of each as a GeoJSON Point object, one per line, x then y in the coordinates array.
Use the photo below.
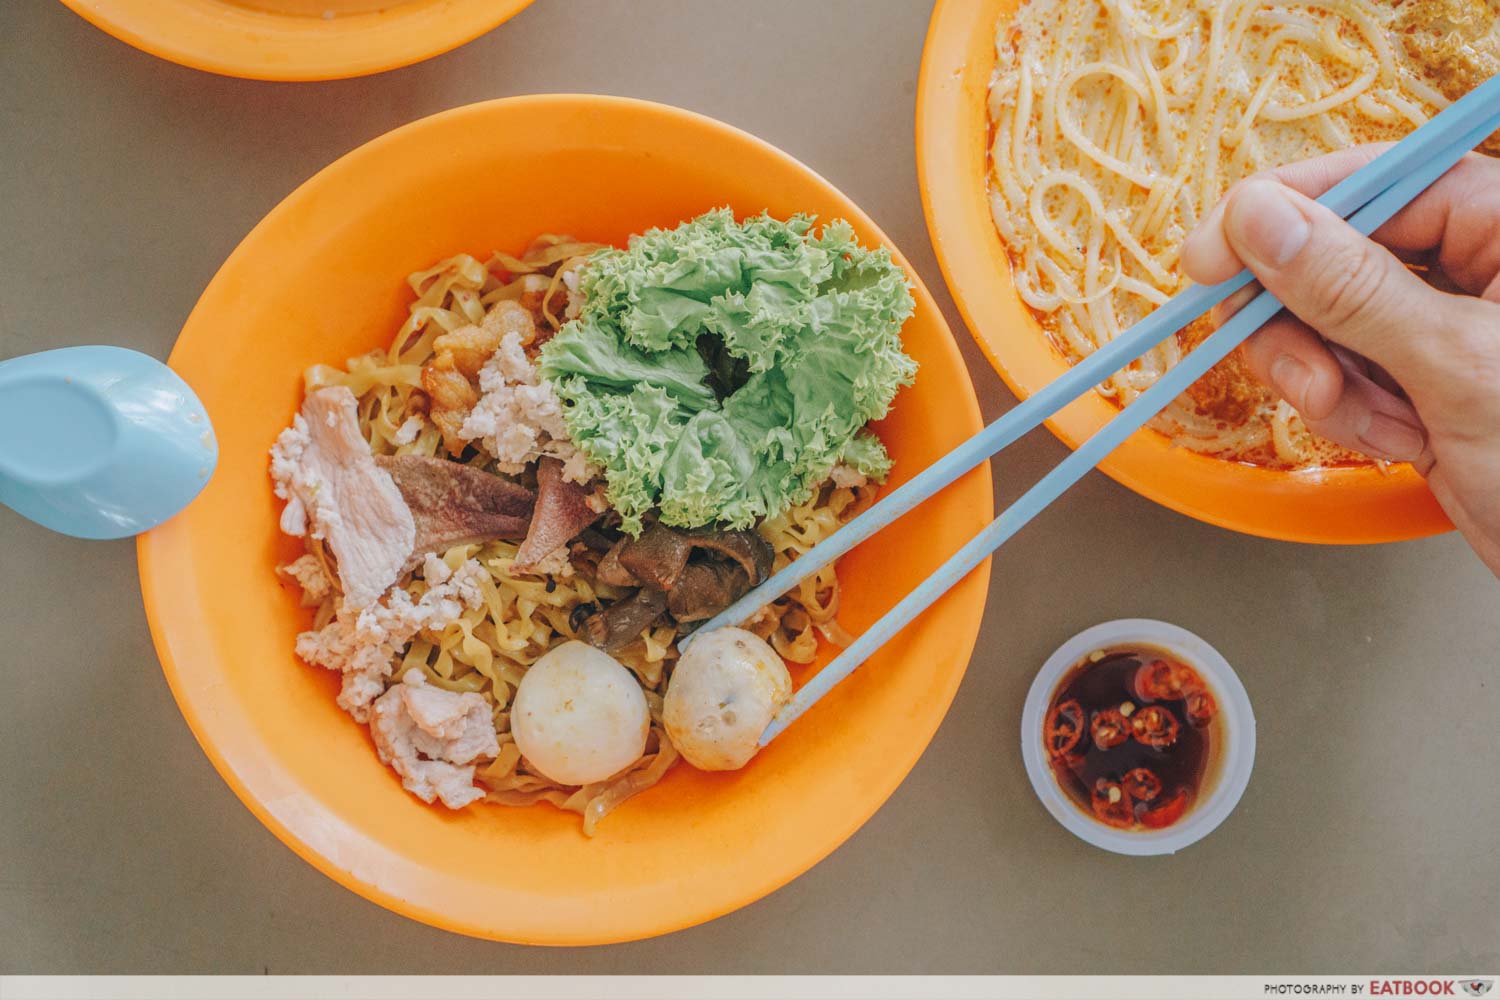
{"type": "Point", "coordinates": [1459, 216]}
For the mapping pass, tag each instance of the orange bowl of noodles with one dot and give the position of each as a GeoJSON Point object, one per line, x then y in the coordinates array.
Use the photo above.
{"type": "Point", "coordinates": [296, 39]}
{"type": "Point", "coordinates": [1335, 504]}
{"type": "Point", "coordinates": [323, 277]}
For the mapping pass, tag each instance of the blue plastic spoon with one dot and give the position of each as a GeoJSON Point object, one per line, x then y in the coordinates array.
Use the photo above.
{"type": "Point", "coordinates": [100, 442]}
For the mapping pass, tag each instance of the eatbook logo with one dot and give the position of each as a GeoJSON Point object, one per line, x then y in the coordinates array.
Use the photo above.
{"type": "Point", "coordinates": [1477, 987]}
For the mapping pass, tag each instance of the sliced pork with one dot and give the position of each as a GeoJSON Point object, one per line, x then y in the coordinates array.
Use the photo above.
{"type": "Point", "coordinates": [323, 468]}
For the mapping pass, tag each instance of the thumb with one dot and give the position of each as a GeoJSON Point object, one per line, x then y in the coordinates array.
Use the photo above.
{"type": "Point", "coordinates": [1345, 286]}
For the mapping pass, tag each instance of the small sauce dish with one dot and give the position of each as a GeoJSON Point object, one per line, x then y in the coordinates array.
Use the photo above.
{"type": "Point", "coordinates": [1138, 737]}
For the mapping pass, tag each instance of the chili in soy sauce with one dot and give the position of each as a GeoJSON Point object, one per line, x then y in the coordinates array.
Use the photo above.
{"type": "Point", "coordinates": [1128, 735]}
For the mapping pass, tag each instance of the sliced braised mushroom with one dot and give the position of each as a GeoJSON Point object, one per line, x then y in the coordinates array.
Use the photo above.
{"type": "Point", "coordinates": [622, 623]}
{"type": "Point", "coordinates": [747, 548]}
{"type": "Point", "coordinates": [611, 572]}
{"type": "Point", "coordinates": [704, 589]}
{"type": "Point", "coordinates": [596, 540]}
{"type": "Point", "coordinates": [656, 558]}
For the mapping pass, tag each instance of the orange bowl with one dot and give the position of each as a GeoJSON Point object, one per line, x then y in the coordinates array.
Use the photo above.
{"type": "Point", "coordinates": [323, 278]}
{"type": "Point", "coordinates": [1344, 505]}
{"type": "Point", "coordinates": [269, 40]}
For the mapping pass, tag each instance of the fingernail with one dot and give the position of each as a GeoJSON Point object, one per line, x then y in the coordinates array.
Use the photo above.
{"type": "Point", "coordinates": [1291, 379]}
{"type": "Point", "coordinates": [1265, 224]}
{"type": "Point", "coordinates": [1392, 438]}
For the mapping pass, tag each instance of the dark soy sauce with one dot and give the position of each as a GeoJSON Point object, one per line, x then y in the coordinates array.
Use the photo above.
{"type": "Point", "coordinates": [1130, 737]}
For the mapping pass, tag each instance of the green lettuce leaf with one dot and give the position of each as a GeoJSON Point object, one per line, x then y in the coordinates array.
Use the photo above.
{"type": "Point", "coordinates": [867, 456]}
{"type": "Point", "coordinates": [720, 369]}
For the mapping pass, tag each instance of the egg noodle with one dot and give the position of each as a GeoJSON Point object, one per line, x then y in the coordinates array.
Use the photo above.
{"type": "Point", "coordinates": [1116, 124]}
{"type": "Point", "coordinates": [489, 648]}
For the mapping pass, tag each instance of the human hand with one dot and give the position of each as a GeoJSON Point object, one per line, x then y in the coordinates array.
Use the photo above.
{"type": "Point", "coordinates": [1371, 355]}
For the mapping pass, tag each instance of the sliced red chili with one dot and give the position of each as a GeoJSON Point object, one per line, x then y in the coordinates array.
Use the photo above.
{"type": "Point", "coordinates": [1064, 728]}
{"type": "Point", "coordinates": [1141, 784]}
{"type": "Point", "coordinates": [1157, 681]}
{"type": "Point", "coordinates": [1200, 708]}
{"type": "Point", "coordinates": [1111, 804]}
{"type": "Point", "coordinates": [1154, 726]}
{"type": "Point", "coordinates": [1109, 729]}
{"type": "Point", "coordinates": [1161, 680]}
{"type": "Point", "coordinates": [1167, 813]}
{"type": "Point", "coordinates": [1068, 762]}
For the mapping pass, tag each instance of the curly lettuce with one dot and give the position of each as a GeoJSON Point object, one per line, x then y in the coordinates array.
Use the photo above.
{"type": "Point", "coordinates": [719, 370]}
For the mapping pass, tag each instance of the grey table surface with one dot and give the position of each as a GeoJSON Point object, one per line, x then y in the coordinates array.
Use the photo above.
{"type": "Point", "coordinates": [1367, 839]}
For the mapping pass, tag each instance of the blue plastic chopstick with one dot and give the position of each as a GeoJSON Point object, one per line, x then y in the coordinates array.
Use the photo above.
{"type": "Point", "coordinates": [1446, 132]}
{"type": "Point", "coordinates": [1406, 170]}
{"type": "Point", "coordinates": [1112, 435]}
